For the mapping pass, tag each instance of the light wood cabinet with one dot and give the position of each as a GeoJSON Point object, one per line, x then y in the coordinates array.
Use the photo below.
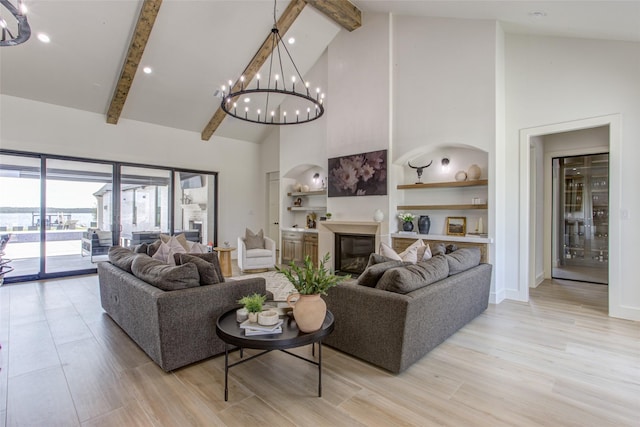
{"type": "Point", "coordinates": [310, 247]}
{"type": "Point", "coordinates": [297, 245]}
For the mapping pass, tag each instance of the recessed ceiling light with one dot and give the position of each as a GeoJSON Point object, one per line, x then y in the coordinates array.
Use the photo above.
{"type": "Point", "coordinates": [537, 14]}
{"type": "Point", "coordinates": [147, 70]}
{"type": "Point", "coordinates": [291, 40]}
{"type": "Point", "coordinates": [43, 38]}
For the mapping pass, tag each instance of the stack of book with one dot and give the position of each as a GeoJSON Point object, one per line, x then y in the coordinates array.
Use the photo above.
{"type": "Point", "coordinates": [252, 328]}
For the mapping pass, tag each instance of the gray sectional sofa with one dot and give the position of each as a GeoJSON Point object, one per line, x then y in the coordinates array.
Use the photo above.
{"type": "Point", "coordinates": [395, 313]}
{"type": "Point", "coordinates": [174, 327]}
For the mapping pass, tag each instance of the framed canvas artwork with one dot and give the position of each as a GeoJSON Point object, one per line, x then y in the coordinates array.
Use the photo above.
{"type": "Point", "coordinates": [362, 174]}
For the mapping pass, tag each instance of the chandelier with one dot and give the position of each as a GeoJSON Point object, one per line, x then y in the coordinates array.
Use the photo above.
{"type": "Point", "coordinates": [20, 26]}
{"type": "Point", "coordinates": [259, 103]}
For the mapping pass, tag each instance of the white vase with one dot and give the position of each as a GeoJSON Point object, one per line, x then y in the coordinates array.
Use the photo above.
{"type": "Point", "coordinates": [474, 172]}
{"type": "Point", "coordinates": [378, 215]}
{"type": "Point", "coordinates": [461, 176]}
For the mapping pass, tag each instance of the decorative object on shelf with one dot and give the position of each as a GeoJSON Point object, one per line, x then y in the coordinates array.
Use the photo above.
{"type": "Point", "coordinates": [378, 215]}
{"type": "Point", "coordinates": [305, 188]}
{"type": "Point", "coordinates": [362, 174]}
{"type": "Point", "coordinates": [241, 315]}
{"type": "Point", "coordinates": [419, 170]}
{"type": "Point", "coordinates": [474, 172]}
{"type": "Point", "coordinates": [407, 221]}
{"type": "Point", "coordinates": [461, 176]}
{"type": "Point", "coordinates": [311, 220]}
{"type": "Point", "coordinates": [316, 180]}
{"type": "Point", "coordinates": [297, 187]}
{"type": "Point", "coordinates": [253, 304]}
{"type": "Point", "coordinates": [445, 164]}
{"type": "Point", "coordinates": [306, 108]}
{"type": "Point", "coordinates": [298, 202]}
{"type": "Point", "coordinates": [328, 215]}
{"type": "Point", "coordinates": [456, 225]}
{"type": "Point", "coordinates": [424, 224]}
{"type": "Point", "coordinates": [309, 309]}
{"type": "Point", "coordinates": [21, 25]}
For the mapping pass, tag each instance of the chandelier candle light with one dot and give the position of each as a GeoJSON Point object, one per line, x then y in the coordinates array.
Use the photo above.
{"type": "Point", "coordinates": [20, 26]}
{"type": "Point", "coordinates": [252, 104]}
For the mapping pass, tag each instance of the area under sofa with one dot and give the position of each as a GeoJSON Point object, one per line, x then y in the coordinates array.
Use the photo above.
{"type": "Point", "coordinates": [394, 330]}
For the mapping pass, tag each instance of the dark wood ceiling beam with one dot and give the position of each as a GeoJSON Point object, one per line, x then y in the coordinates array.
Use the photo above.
{"type": "Point", "coordinates": [286, 19]}
{"type": "Point", "coordinates": [343, 12]}
{"type": "Point", "coordinates": [146, 19]}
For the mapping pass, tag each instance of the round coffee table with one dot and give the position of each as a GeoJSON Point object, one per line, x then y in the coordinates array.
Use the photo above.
{"type": "Point", "coordinates": [229, 330]}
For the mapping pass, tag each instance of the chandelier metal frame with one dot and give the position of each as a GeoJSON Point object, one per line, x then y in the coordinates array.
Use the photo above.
{"type": "Point", "coordinates": [314, 106]}
{"type": "Point", "coordinates": [24, 30]}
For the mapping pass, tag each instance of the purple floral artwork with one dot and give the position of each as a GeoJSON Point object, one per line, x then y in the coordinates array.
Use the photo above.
{"type": "Point", "coordinates": [358, 175]}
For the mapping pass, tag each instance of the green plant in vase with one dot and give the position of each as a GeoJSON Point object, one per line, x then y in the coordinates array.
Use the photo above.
{"type": "Point", "coordinates": [310, 282]}
{"type": "Point", "coordinates": [253, 305]}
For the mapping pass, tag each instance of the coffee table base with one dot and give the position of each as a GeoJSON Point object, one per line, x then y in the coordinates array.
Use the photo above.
{"type": "Point", "coordinates": [313, 362]}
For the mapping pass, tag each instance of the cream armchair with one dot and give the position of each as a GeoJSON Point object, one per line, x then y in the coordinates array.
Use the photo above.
{"type": "Point", "coordinates": [256, 259]}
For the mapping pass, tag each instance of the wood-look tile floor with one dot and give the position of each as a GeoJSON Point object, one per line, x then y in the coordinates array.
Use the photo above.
{"type": "Point", "coordinates": [558, 360]}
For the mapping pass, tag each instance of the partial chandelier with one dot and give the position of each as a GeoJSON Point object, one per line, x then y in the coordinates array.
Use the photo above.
{"type": "Point", "coordinates": [260, 104]}
{"type": "Point", "coordinates": [15, 29]}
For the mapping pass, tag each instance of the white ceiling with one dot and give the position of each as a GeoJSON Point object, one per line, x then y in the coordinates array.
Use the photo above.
{"type": "Point", "coordinates": [196, 46]}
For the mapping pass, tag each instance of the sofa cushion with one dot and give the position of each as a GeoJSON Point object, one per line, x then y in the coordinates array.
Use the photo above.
{"type": "Point", "coordinates": [258, 253]}
{"type": "Point", "coordinates": [411, 277]}
{"type": "Point", "coordinates": [206, 270]}
{"type": "Point", "coordinates": [210, 257]}
{"type": "Point", "coordinates": [377, 259]}
{"type": "Point", "coordinates": [463, 259]}
{"type": "Point", "coordinates": [373, 273]}
{"type": "Point", "coordinates": [122, 257]}
{"type": "Point", "coordinates": [164, 276]}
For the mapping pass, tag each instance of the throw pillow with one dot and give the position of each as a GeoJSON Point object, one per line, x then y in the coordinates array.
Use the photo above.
{"type": "Point", "coordinates": [254, 240]}
{"type": "Point", "coordinates": [166, 250]}
{"type": "Point", "coordinates": [463, 259]}
{"type": "Point", "coordinates": [166, 277]}
{"type": "Point", "coordinates": [196, 248]}
{"type": "Point", "coordinates": [180, 238]}
{"type": "Point", "coordinates": [408, 255]}
{"type": "Point", "coordinates": [373, 273]}
{"type": "Point", "coordinates": [206, 270]}
{"type": "Point", "coordinates": [152, 248]}
{"type": "Point", "coordinates": [122, 257]}
{"type": "Point", "coordinates": [407, 279]}
{"type": "Point", "coordinates": [374, 259]}
{"type": "Point", "coordinates": [210, 257]}
{"type": "Point", "coordinates": [424, 253]}
{"type": "Point", "coordinates": [141, 248]}
{"type": "Point", "coordinates": [439, 249]}
{"type": "Point", "coordinates": [162, 254]}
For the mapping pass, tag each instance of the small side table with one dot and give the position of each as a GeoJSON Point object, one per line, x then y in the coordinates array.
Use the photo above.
{"type": "Point", "coordinates": [225, 259]}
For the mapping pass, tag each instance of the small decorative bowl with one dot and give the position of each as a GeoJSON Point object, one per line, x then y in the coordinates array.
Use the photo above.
{"type": "Point", "coordinates": [268, 317]}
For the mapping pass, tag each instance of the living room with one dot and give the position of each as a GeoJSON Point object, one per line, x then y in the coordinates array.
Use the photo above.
{"type": "Point", "coordinates": [480, 85]}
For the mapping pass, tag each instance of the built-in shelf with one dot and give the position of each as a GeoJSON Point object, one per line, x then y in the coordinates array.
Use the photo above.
{"type": "Point", "coordinates": [308, 193]}
{"type": "Point", "coordinates": [476, 183]}
{"type": "Point", "coordinates": [306, 208]}
{"type": "Point", "coordinates": [441, 207]}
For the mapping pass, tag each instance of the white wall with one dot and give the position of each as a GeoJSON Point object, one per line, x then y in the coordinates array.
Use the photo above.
{"type": "Point", "coordinates": [39, 127]}
{"type": "Point", "coordinates": [552, 80]}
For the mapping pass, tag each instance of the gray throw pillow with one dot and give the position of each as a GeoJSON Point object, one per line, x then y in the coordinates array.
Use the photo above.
{"type": "Point", "coordinates": [141, 248]}
{"type": "Point", "coordinates": [438, 249]}
{"type": "Point", "coordinates": [152, 248]}
{"type": "Point", "coordinates": [375, 258]}
{"type": "Point", "coordinates": [206, 270]}
{"type": "Point", "coordinates": [164, 276]}
{"type": "Point", "coordinates": [210, 257]}
{"type": "Point", "coordinates": [463, 259]}
{"type": "Point", "coordinates": [122, 257]}
{"type": "Point", "coordinates": [415, 276]}
{"type": "Point", "coordinates": [254, 240]}
{"type": "Point", "coordinates": [373, 273]}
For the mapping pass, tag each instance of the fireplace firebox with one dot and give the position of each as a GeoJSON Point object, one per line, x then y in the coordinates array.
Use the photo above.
{"type": "Point", "coordinates": [352, 252]}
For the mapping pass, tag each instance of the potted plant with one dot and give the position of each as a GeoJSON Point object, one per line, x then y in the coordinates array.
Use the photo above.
{"type": "Point", "coordinates": [253, 305]}
{"type": "Point", "coordinates": [310, 282]}
{"type": "Point", "coordinates": [328, 215]}
{"type": "Point", "coordinates": [407, 220]}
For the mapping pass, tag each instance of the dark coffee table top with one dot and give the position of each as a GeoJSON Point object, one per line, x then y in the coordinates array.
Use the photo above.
{"type": "Point", "coordinates": [228, 329]}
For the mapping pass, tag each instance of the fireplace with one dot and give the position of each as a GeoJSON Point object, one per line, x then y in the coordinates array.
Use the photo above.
{"type": "Point", "coordinates": [352, 252]}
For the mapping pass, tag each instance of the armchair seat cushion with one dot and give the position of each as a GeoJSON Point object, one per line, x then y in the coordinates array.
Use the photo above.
{"type": "Point", "coordinates": [258, 253]}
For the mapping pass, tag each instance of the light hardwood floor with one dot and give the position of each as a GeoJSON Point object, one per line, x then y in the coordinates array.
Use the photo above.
{"type": "Point", "coordinates": [557, 360]}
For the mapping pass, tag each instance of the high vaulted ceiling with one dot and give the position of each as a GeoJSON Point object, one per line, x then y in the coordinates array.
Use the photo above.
{"type": "Point", "coordinates": [195, 46]}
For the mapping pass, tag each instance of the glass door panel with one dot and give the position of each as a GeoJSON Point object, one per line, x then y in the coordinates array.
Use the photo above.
{"type": "Point", "coordinates": [78, 200]}
{"type": "Point", "coordinates": [19, 217]}
{"type": "Point", "coordinates": [194, 204]}
{"type": "Point", "coordinates": [144, 204]}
